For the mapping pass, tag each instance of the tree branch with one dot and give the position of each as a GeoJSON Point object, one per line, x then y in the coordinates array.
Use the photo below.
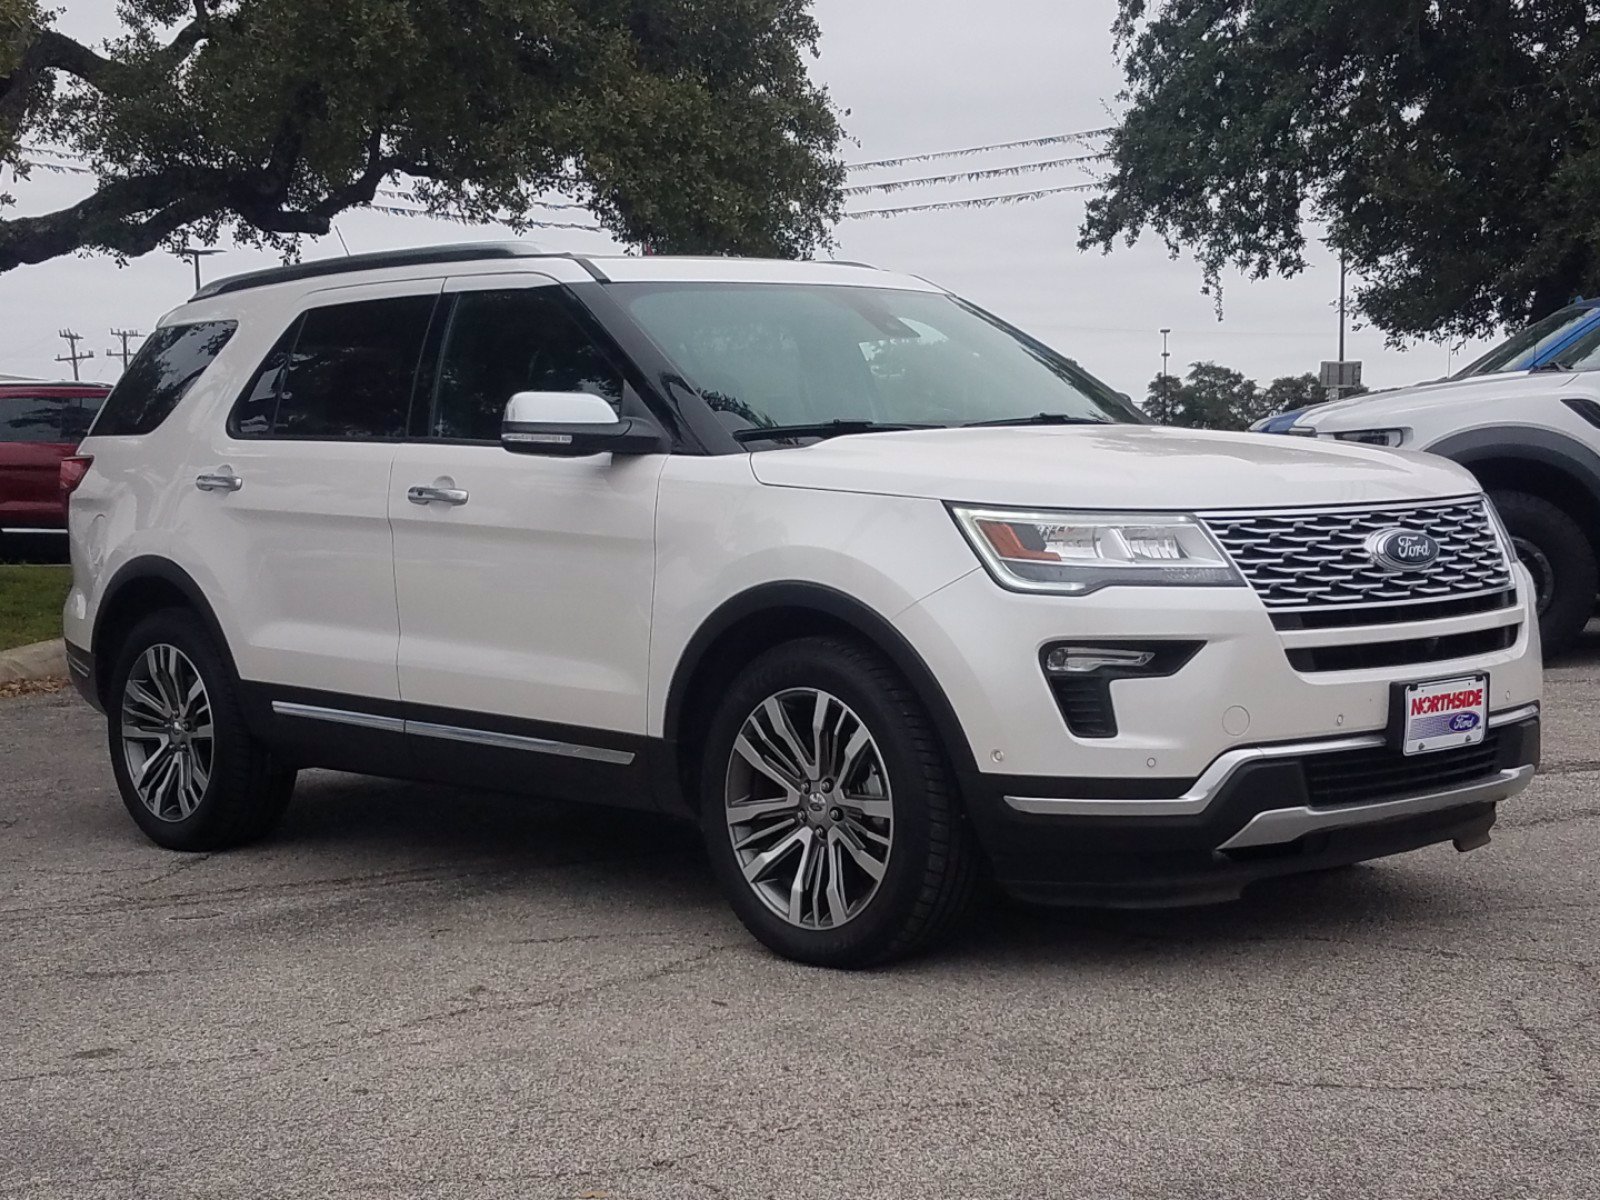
{"type": "Point", "coordinates": [126, 216]}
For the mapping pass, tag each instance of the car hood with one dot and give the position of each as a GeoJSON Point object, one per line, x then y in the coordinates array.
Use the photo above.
{"type": "Point", "coordinates": [1378, 409]}
{"type": "Point", "coordinates": [1111, 467]}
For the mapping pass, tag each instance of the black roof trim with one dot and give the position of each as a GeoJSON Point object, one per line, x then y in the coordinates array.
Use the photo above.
{"type": "Point", "coordinates": [419, 257]}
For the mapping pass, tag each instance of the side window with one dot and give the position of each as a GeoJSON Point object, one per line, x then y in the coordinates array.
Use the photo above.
{"type": "Point", "coordinates": [352, 368]}
{"type": "Point", "coordinates": [504, 342]}
{"type": "Point", "coordinates": [33, 418]}
{"type": "Point", "coordinates": [256, 410]}
{"type": "Point", "coordinates": [160, 375]}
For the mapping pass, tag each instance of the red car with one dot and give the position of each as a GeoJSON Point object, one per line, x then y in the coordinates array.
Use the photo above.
{"type": "Point", "coordinates": [40, 424]}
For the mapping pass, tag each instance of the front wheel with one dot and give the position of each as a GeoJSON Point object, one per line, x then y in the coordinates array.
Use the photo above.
{"type": "Point", "coordinates": [1561, 559]}
{"type": "Point", "coordinates": [830, 815]}
{"type": "Point", "coordinates": [191, 774]}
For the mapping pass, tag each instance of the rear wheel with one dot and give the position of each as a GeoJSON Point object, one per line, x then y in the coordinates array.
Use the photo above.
{"type": "Point", "coordinates": [830, 815]}
{"type": "Point", "coordinates": [190, 773]}
{"type": "Point", "coordinates": [1561, 559]}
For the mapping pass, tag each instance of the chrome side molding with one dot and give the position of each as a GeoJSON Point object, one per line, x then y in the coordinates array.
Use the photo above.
{"type": "Point", "coordinates": [454, 733]}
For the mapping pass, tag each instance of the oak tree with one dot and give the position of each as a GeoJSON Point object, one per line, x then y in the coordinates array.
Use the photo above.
{"type": "Point", "coordinates": [685, 125]}
{"type": "Point", "coordinates": [1449, 148]}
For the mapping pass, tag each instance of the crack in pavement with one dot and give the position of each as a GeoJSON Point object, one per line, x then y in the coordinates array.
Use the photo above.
{"type": "Point", "coordinates": [345, 1042]}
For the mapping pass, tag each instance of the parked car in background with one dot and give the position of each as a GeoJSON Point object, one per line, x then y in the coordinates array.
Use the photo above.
{"type": "Point", "coordinates": [40, 425]}
{"type": "Point", "coordinates": [881, 591]}
{"type": "Point", "coordinates": [1530, 435]}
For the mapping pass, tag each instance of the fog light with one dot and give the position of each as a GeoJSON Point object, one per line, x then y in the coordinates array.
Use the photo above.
{"type": "Point", "coordinates": [1080, 660]}
{"type": "Point", "coordinates": [1081, 675]}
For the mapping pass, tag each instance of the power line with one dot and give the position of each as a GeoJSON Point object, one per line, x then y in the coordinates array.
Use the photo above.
{"type": "Point", "coordinates": [72, 339]}
{"type": "Point", "coordinates": [979, 202]}
{"type": "Point", "coordinates": [972, 176]}
{"type": "Point", "coordinates": [1084, 135]}
{"type": "Point", "coordinates": [124, 354]}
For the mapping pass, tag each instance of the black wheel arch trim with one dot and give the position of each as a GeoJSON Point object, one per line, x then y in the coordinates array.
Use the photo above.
{"type": "Point", "coordinates": [1542, 446]}
{"type": "Point", "coordinates": [830, 602]}
{"type": "Point", "coordinates": [138, 570]}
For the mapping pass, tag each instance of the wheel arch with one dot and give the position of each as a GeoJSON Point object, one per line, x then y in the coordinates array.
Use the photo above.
{"type": "Point", "coordinates": [766, 616]}
{"type": "Point", "coordinates": [139, 587]}
{"type": "Point", "coordinates": [1539, 462]}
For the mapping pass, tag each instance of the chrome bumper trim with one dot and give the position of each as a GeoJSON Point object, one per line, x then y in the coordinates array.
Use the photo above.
{"type": "Point", "coordinates": [1198, 798]}
{"type": "Point", "coordinates": [1278, 825]}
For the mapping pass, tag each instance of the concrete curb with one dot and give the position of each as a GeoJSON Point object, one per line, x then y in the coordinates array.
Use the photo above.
{"type": "Point", "coordinates": [42, 660]}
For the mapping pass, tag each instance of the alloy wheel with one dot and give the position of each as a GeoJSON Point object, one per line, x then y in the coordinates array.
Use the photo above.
{"type": "Point", "coordinates": [809, 808]}
{"type": "Point", "coordinates": [167, 735]}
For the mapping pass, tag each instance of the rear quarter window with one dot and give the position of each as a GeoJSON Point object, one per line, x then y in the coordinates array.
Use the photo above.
{"type": "Point", "coordinates": [160, 375]}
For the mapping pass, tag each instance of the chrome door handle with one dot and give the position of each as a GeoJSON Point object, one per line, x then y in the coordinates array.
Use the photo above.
{"type": "Point", "coordinates": [222, 481]}
{"type": "Point", "coordinates": [427, 495]}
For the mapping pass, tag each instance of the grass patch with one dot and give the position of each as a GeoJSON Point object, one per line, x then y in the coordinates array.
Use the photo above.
{"type": "Point", "coordinates": [30, 602]}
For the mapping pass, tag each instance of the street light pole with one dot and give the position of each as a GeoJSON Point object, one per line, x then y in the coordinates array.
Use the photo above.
{"type": "Point", "coordinates": [194, 254]}
{"type": "Point", "coordinates": [1165, 377]}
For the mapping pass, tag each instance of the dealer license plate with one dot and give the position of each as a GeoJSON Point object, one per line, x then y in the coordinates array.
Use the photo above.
{"type": "Point", "coordinates": [1444, 714]}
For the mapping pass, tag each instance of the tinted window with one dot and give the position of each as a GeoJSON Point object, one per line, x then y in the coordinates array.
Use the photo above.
{"type": "Point", "coordinates": [160, 375]}
{"type": "Point", "coordinates": [351, 371]}
{"type": "Point", "coordinates": [501, 343]}
{"type": "Point", "coordinates": [258, 407]}
{"type": "Point", "coordinates": [40, 419]}
{"type": "Point", "coordinates": [1522, 350]}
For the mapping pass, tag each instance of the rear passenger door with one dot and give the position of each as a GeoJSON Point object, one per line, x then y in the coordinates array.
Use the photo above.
{"type": "Point", "coordinates": [525, 602]}
{"type": "Point", "coordinates": [290, 499]}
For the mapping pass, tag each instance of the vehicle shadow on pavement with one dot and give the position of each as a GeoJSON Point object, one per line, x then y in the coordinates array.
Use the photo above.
{"type": "Point", "coordinates": [541, 851]}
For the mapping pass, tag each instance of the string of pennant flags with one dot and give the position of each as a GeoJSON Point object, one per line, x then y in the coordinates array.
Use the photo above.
{"type": "Point", "coordinates": [897, 185]}
{"type": "Point", "coordinates": [979, 202]}
{"type": "Point", "coordinates": [62, 162]}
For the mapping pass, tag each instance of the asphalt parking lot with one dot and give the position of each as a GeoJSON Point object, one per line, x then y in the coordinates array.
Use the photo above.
{"type": "Point", "coordinates": [415, 992]}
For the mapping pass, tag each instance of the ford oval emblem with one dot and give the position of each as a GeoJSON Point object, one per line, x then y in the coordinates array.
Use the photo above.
{"type": "Point", "coordinates": [1462, 722]}
{"type": "Point", "coordinates": [1402, 550]}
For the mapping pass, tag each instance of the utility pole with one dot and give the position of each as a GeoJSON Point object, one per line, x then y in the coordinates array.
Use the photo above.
{"type": "Point", "coordinates": [1341, 305]}
{"type": "Point", "coordinates": [72, 356]}
{"type": "Point", "coordinates": [1166, 389]}
{"type": "Point", "coordinates": [124, 354]}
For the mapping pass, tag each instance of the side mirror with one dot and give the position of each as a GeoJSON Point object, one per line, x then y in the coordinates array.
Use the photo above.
{"type": "Point", "coordinates": [573, 424]}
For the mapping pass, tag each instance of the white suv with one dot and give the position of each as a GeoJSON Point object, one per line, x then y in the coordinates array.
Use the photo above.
{"type": "Point", "coordinates": [1530, 438]}
{"type": "Point", "coordinates": [882, 592]}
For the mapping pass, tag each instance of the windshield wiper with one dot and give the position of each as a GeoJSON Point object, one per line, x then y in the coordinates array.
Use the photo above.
{"type": "Point", "coordinates": [1044, 418]}
{"type": "Point", "coordinates": [823, 429]}
{"type": "Point", "coordinates": [1552, 365]}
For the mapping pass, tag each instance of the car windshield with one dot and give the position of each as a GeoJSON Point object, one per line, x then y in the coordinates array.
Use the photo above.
{"type": "Point", "coordinates": [1520, 351]}
{"type": "Point", "coordinates": [820, 359]}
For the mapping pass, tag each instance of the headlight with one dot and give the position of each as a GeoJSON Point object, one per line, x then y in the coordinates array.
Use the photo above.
{"type": "Point", "coordinates": [1373, 437]}
{"type": "Point", "coordinates": [1078, 553]}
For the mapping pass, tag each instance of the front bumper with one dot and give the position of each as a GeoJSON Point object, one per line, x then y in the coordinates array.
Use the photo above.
{"type": "Point", "coordinates": [1255, 813]}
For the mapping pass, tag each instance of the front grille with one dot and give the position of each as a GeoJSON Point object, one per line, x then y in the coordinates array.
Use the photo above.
{"type": "Point", "coordinates": [1392, 614]}
{"type": "Point", "coordinates": [1307, 558]}
{"type": "Point", "coordinates": [1359, 776]}
{"type": "Point", "coordinates": [1359, 656]}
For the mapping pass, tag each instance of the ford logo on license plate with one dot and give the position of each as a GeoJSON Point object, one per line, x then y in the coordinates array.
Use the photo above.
{"type": "Point", "coordinates": [1402, 549]}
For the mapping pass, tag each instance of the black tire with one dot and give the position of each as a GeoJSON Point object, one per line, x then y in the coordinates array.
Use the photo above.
{"type": "Point", "coordinates": [1560, 557]}
{"type": "Point", "coordinates": [247, 788]}
{"type": "Point", "coordinates": [932, 865]}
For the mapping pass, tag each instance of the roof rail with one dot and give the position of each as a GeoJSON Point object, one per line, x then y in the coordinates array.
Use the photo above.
{"type": "Point", "coordinates": [417, 257]}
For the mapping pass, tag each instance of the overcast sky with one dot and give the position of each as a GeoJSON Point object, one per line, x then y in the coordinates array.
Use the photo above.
{"type": "Point", "coordinates": [915, 76]}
